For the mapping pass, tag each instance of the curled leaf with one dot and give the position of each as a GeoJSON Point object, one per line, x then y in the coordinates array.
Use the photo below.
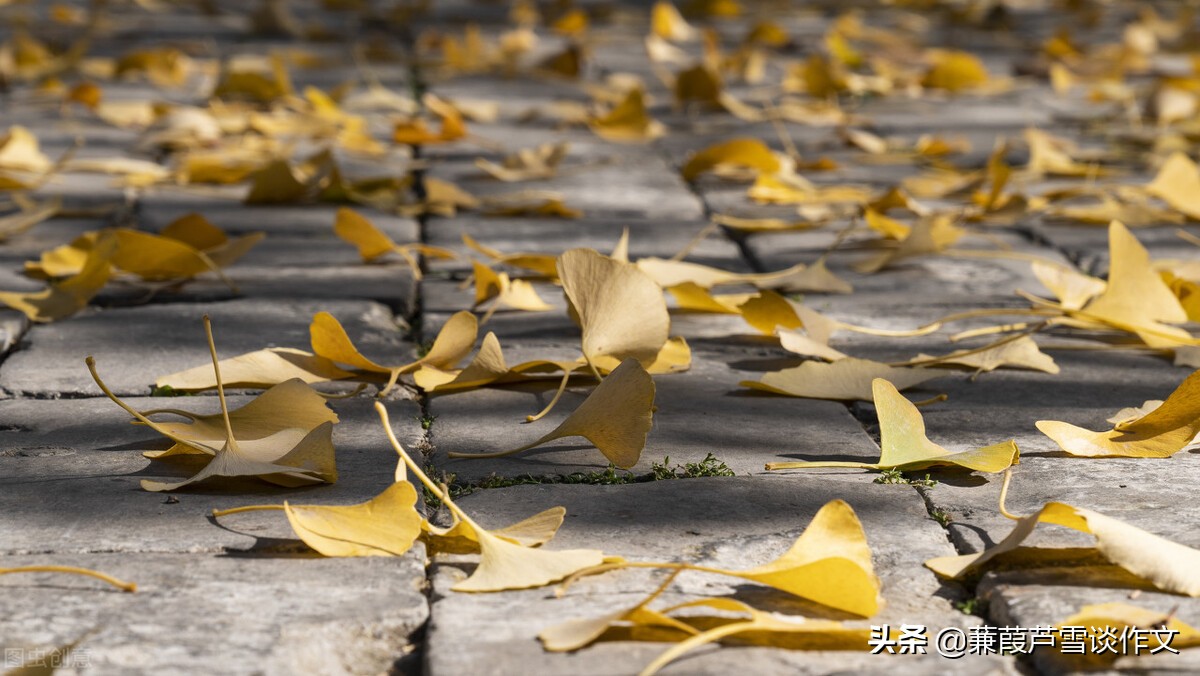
{"type": "Point", "coordinates": [1162, 432]}
{"type": "Point", "coordinates": [615, 417]}
{"type": "Point", "coordinates": [905, 446]}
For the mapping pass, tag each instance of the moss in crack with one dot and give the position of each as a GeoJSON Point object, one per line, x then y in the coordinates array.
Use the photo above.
{"type": "Point", "coordinates": [973, 606]}
{"type": "Point", "coordinates": [941, 516]}
{"type": "Point", "coordinates": [426, 420]}
{"type": "Point", "coordinates": [895, 476]}
{"type": "Point", "coordinates": [710, 466]}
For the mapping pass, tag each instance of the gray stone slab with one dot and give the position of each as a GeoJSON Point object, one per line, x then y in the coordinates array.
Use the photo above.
{"type": "Point", "coordinates": [738, 523]}
{"type": "Point", "coordinates": [136, 345]}
{"type": "Point", "coordinates": [229, 614]}
{"type": "Point", "coordinates": [70, 473]}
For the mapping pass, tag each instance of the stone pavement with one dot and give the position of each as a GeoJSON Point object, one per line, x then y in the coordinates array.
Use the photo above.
{"type": "Point", "coordinates": [245, 596]}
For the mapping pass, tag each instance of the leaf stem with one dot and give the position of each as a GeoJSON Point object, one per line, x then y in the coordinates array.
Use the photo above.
{"type": "Point", "coordinates": [562, 386]}
{"type": "Point", "coordinates": [442, 493]}
{"type": "Point", "coordinates": [91, 364]}
{"type": "Point", "coordinates": [1004, 496]}
{"type": "Point", "coordinates": [120, 584]}
{"type": "Point", "coordinates": [212, 350]}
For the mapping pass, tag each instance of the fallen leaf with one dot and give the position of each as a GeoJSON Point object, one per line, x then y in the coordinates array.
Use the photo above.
{"type": "Point", "coordinates": [527, 164]}
{"type": "Point", "coordinates": [1169, 566]}
{"type": "Point", "coordinates": [794, 632]}
{"type": "Point", "coordinates": [20, 151]}
{"type": "Point", "coordinates": [1160, 433]}
{"type": "Point", "coordinates": [954, 71]}
{"type": "Point", "coordinates": [516, 294]}
{"type": "Point", "coordinates": [741, 152]}
{"type": "Point", "coordinates": [386, 525]}
{"type": "Point", "coordinates": [621, 311]}
{"type": "Point", "coordinates": [928, 236]}
{"type": "Point", "coordinates": [372, 243]}
{"type": "Point", "coordinates": [70, 295]}
{"type": "Point", "coordinates": [453, 342]}
{"type": "Point", "coordinates": [1178, 184]}
{"type": "Point", "coordinates": [615, 417]}
{"type": "Point", "coordinates": [504, 564]}
{"type": "Point", "coordinates": [628, 122]}
{"type": "Point", "coordinates": [799, 277]}
{"type": "Point", "coordinates": [1021, 353]}
{"type": "Point", "coordinates": [905, 446]}
{"type": "Point", "coordinates": [1101, 618]}
{"type": "Point", "coordinates": [1136, 299]}
{"type": "Point", "coordinates": [292, 456]}
{"type": "Point", "coordinates": [667, 23]}
{"type": "Point", "coordinates": [843, 380]}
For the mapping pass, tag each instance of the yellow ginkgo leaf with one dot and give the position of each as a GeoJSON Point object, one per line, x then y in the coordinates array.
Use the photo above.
{"type": "Point", "coordinates": [290, 404]}
{"type": "Point", "coordinates": [548, 206]}
{"type": "Point", "coordinates": [1106, 617]}
{"type": "Point", "coordinates": [460, 538]}
{"type": "Point", "coordinates": [291, 456]}
{"type": "Point", "coordinates": [261, 368]}
{"type": "Point", "coordinates": [527, 164]}
{"type": "Point", "coordinates": [928, 236]}
{"type": "Point", "coordinates": [695, 298]}
{"type": "Point", "coordinates": [1169, 566]}
{"type": "Point", "coordinates": [1162, 432]}
{"type": "Point", "coordinates": [505, 563]}
{"type": "Point", "coordinates": [454, 341]}
{"type": "Point", "coordinates": [843, 380]}
{"type": "Point", "coordinates": [19, 151]}
{"type": "Point", "coordinates": [414, 132]}
{"type": "Point", "coordinates": [620, 309]}
{"type": "Point", "coordinates": [543, 264]}
{"type": "Point", "coordinates": [70, 570]}
{"type": "Point", "coordinates": [698, 84]}
{"type": "Point", "coordinates": [628, 122]}
{"type": "Point", "coordinates": [1178, 184]}
{"type": "Point", "coordinates": [261, 80]}
{"type": "Point", "coordinates": [70, 295]}
{"type": "Point", "coordinates": [276, 183]}
{"type": "Point", "coordinates": [1136, 298]}
{"type": "Point", "coordinates": [1072, 288]}
{"type": "Point", "coordinates": [797, 633]}
{"type": "Point", "coordinates": [741, 152]}
{"type": "Point", "coordinates": [830, 564]}
{"type": "Point", "coordinates": [639, 619]}
{"type": "Point", "coordinates": [954, 71]}
{"type": "Point", "coordinates": [615, 417]}
{"type": "Point", "coordinates": [783, 188]}
{"type": "Point", "coordinates": [768, 310]}
{"type": "Point", "coordinates": [516, 294]}
{"type": "Point", "coordinates": [386, 525]}
{"type": "Point", "coordinates": [1022, 353]}
{"type": "Point", "coordinates": [888, 227]}
{"type": "Point", "coordinates": [372, 243]}
{"type": "Point", "coordinates": [1049, 155]}
{"type": "Point", "coordinates": [905, 446]}
{"type": "Point", "coordinates": [799, 277]}
{"type": "Point", "coordinates": [667, 23]}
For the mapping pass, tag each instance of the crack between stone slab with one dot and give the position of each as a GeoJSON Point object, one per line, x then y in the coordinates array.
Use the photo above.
{"type": "Point", "coordinates": [741, 241]}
